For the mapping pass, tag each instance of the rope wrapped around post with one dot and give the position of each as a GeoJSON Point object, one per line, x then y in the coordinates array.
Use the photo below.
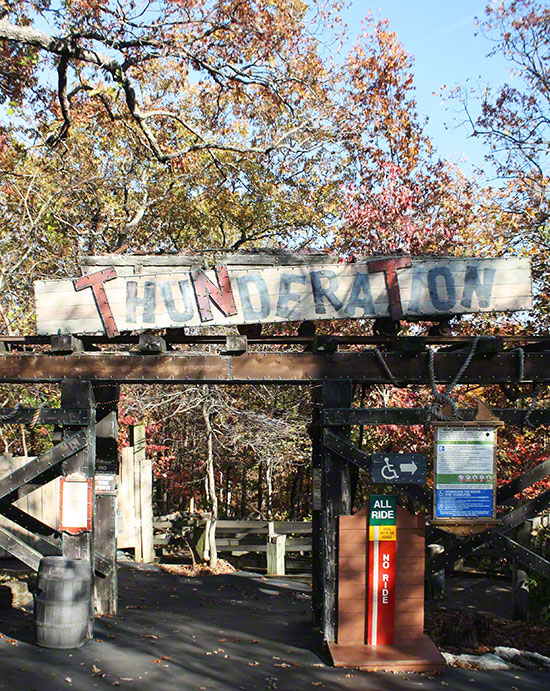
{"type": "Point", "coordinates": [444, 398]}
{"type": "Point", "coordinates": [6, 417]}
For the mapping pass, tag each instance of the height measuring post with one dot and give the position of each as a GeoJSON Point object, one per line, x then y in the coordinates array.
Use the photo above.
{"type": "Point", "coordinates": [381, 593]}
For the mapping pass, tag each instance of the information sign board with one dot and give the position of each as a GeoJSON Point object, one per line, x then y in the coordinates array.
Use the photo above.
{"type": "Point", "coordinates": [381, 595]}
{"type": "Point", "coordinates": [465, 471]}
{"type": "Point", "coordinates": [76, 504]}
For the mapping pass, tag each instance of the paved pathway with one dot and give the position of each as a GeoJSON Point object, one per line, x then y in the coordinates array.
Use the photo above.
{"type": "Point", "coordinates": [238, 631]}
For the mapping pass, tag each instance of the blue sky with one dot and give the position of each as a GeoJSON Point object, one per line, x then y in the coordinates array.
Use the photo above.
{"type": "Point", "coordinates": [440, 35]}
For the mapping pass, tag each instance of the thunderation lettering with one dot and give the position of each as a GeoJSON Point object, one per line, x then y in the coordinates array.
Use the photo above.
{"type": "Point", "coordinates": [394, 287]}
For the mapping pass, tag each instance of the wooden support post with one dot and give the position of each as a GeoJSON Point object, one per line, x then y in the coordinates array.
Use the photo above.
{"type": "Point", "coordinates": [107, 469]}
{"type": "Point", "coordinates": [520, 590]}
{"type": "Point", "coordinates": [336, 500]}
{"type": "Point", "coordinates": [143, 492]}
{"type": "Point", "coordinates": [316, 434]}
{"type": "Point", "coordinates": [436, 580]}
{"type": "Point", "coordinates": [275, 550]}
{"type": "Point", "coordinates": [78, 394]}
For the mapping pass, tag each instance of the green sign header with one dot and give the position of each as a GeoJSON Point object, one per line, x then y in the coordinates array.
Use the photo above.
{"type": "Point", "coordinates": [382, 509]}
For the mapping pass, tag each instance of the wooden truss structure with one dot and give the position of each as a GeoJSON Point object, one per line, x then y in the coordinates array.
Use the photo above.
{"type": "Point", "coordinates": [90, 377]}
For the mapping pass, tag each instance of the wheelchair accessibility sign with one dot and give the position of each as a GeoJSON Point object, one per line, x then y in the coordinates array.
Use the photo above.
{"type": "Point", "coordinates": [399, 468]}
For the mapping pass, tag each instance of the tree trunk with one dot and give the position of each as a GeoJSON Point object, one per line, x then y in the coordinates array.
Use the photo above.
{"type": "Point", "coordinates": [211, 484]}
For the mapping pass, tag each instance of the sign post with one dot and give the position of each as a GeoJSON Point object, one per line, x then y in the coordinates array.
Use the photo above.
{"type": "Point", "coordinates": [381, 592]}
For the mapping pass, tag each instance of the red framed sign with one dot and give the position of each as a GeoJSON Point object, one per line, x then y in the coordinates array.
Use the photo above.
{"type": "Point", "coordinates": [76, 504]}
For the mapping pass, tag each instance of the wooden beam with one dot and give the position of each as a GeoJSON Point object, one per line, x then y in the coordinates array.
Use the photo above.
{"type": "Point", "coordinates": [19, 549]}
{"type": "Point", "coordinates": [420, 416]}
{"type": "Point", "coordinates": [35, 468]}
{"type": "Point", "coordinates": [514, 550]}
{"type": "Point", "coordinates": [278, 368]}
{"type": "Point", "coordinates": [539, 472]}
{"type": "Point", "coordinates": [43, 416]}
{"type": "Point", "coordinates": [29, 522]}
{"type": "Point", "coordinates": [344, 449]}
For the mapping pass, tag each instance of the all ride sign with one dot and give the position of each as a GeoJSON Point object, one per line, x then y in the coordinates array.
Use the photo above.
{"type": "Point", "coordinates": [381, 592]}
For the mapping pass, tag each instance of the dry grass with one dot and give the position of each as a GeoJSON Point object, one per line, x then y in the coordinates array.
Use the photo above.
{"type": "Point", "coordinates": [190, 571]}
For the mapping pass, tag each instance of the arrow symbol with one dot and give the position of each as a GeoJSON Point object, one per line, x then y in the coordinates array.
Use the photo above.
{"type": "Point", "coordinates": [408, 467]}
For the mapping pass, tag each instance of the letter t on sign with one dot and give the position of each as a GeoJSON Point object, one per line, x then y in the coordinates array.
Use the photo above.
{"type": "Point", "coordinates": [389, 267]}
{"type": "Point", "coordinates": [95, 281]}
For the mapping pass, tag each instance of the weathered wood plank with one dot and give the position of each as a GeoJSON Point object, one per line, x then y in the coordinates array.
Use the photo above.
{"type": "Point", "coordinates": [431, 286]}
{"type": "Point", "coordinates": [138, 264]}
{"type": "Point", "coordinates": [143, 492]}
{"type": "Point", "coordinates": [19, 549]}
{"type": "Point", "coordinates": [126, 536]}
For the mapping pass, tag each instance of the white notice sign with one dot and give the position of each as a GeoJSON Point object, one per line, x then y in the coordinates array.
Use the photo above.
{"type": "Point", "coordinates": [464, 473]}
{"type": "Point", "coordinates": [75, 514]}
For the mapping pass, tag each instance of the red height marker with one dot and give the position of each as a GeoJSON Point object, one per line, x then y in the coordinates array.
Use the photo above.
{"type": "Point", "coordinates": [389, 267]}
{"type": "Point", "coordinates": [95, 281]}
{"type": "Point", "coordinates": [381, 594]}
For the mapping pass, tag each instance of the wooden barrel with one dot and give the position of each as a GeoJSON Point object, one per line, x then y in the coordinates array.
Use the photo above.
{"type": "Point", "coordinates": [62, 602]}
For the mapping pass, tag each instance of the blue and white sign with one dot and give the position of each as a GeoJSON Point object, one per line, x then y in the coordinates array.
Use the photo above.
{"type": "Point", "coordinates": [465, 472]}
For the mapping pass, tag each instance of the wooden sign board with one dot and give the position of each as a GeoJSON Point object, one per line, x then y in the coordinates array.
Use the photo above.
{"type": "Point", "coordinates": [396, 287]}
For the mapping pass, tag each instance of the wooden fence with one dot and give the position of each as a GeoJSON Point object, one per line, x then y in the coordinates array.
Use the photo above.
{"type": "Point", "coordinates": [135, 502]}
{"type": "Point", "coordinates": [135, 507]}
